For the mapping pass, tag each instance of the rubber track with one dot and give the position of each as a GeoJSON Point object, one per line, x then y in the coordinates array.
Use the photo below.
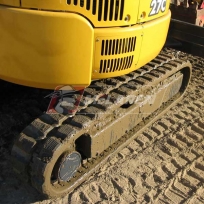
{"type": "Point", "coordinates": [109, 184]}
{"type": "Point", "coordinates": [39, 129]}
{"type": "Point", "coordinates": [165, 164]}
{"type": "Point", "coordinates": [32, 138]}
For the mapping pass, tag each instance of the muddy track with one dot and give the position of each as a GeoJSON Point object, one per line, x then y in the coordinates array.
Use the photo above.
{"type": "Point", "coordinates": [163, 165]}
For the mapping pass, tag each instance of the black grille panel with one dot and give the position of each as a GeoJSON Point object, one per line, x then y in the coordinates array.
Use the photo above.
{"type": "Point", "coordinates": [118, 46]}
{"type": "Point", "coordinates": [107, 10]}
{"type": "Point", "coordinates": [118, 64]}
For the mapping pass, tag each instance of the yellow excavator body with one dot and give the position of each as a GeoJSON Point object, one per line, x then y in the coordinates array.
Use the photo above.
{"type": "Point", "coordinates": [94, 47]}
{"type": "Point", "coordinates": [49, 43]}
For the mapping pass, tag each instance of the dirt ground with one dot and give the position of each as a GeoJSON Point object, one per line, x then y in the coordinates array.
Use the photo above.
{"type": "Point", "coordinates": [165, 164]}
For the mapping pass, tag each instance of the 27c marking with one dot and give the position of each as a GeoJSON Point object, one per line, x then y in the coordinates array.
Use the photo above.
{"type": "Point", "coordinates": [157, 5]}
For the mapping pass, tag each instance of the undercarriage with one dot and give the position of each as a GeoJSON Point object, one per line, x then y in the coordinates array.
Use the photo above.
{"type": "Point", "coordinates": [58, 151]}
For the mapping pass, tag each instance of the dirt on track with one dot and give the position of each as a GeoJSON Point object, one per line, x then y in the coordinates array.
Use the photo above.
{"type": "Point", "coordinates": [165, 164]}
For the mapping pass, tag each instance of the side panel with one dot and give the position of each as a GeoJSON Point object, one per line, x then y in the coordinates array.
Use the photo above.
{"type": "Point", "coordinates": [113, 47]}
{"type": "Point", "coordinates": [154, 37]}
{"type": "Point", "coordinates": [45, 49]}
{"type": "Point", "coordinates": [116, 51]}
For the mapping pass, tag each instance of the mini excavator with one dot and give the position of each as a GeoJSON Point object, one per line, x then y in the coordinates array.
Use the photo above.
{"type": "Point", "coordinates": [104, 59]}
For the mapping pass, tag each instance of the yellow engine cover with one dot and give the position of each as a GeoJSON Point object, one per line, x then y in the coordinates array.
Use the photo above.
{"type": "Point", "coordinates": [45, 49]}
{"type": "Point", "coordinates": [10, 2]}
{"type": "Point", "coordinates": [119, 51]}
{"type": "Point", "coordinates": [61, 42]}
{"type": "Point", "coordinates": [101, 13]}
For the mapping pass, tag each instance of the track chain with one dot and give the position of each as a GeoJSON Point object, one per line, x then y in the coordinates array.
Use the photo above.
{"type": "Point", "coordinates": [164, 164]}
{"type": "Point", "coordinates": [35, 146]}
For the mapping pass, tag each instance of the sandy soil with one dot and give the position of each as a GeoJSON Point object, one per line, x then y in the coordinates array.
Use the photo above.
{"type": "Point", "coordinates": [165, 164]}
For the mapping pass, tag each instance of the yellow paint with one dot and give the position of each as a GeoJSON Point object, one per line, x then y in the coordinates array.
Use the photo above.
{"type": "Point", "coordinates": [111, 34]}
{"type": "Point", "coordinates": [10, 2]}
{"type": "Point", "coordinates": [43, 48]}
{"type": "Point", "coordinates": [149, 44]}
{"type": "Point", "coordinates": [155, 33]}
{"type": "Point", "coordinates": [130, 8]}
{"type": "Point", "coordinates": [145, 9]}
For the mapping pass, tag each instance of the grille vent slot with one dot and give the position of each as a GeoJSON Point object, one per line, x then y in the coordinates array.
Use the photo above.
{"type": "Point", "coordinates": [118, 46]}
{"type": "Point", "coordinates": [107, 10]}
{"type": "Point", "coordinates": [112, 65]}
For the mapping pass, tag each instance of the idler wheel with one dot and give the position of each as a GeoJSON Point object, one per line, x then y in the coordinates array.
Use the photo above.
{"type": "Point", "coordinates": [54, 169]}
{"type": "Point", "coordinates": [67, 166]}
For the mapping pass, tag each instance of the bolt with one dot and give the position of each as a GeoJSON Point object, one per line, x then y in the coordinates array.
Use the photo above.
{"type": "Point", "coordinates": [127, 18]}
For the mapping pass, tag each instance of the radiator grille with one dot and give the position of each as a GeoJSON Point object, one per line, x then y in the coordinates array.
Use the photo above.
{"type": "Point", "coordinates": [118, 46]}
{"type": "Point", "coordinates": [112, 65]}
{"type": "Point", "coordinates": [106, 10]}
